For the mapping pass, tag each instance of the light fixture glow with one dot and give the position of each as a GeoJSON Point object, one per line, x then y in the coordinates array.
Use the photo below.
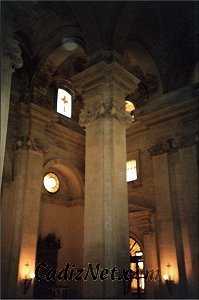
{"type": "Point", "coordinates": [166, 277]}
{"type": "Point", "coordinates": [129, 106]}
{"type": "Point", "coordinates": [27, 278]}
{"type": "Point", "coordinates": [32, 275]}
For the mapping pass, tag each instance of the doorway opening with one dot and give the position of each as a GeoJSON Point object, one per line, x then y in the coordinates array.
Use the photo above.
{"type": "Point", "coordinates": [137, 266]}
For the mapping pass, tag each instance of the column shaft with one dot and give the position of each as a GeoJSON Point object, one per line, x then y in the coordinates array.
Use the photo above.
{"type": "Point", "coordinates": [106, 229]}
{"type": "Point", "coordinates": [106, 207]}
{"type": "Point", "coordinates": [10, 59]}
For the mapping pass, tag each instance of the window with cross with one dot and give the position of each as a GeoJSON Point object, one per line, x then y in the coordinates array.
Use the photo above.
{"type": "Point", "coordinates": [64, 103]}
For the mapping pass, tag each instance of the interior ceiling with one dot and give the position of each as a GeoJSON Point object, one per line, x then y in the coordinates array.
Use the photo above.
{"type": "Point", "coordinates": [166, 31]}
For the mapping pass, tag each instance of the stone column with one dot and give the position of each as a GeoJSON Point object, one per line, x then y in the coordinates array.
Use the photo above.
{"type": "Point", "coordinates": [26, 200]}
{"type": "Point", "coordinates": [10, 60]}
{"type": "Point", "coordinates": [106, 229]}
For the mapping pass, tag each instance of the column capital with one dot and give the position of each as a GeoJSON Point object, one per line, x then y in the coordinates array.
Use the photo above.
{"type": "Point", "coordinates": [104, 110]}
{"type": "Point", "coordinates": [29, 142]}
{"type": "Point", "coordinates": [104, 87]}
{"type": "Point", "coordinates": [11, 53]}
{"type": "Point", "coordinates": [174, 144]}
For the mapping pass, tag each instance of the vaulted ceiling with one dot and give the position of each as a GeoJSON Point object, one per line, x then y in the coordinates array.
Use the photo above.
{"type": "Point", "coordinates": [158, 40]}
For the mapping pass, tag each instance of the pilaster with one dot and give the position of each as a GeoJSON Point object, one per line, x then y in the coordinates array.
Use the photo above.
{"type": "Point", "coordinates": [188, 210]}
{"type": "Point", "coordinates": [26, 205]}
{"type": "Point", "coordinates": [10, 60]}
{"type": "Point", "coordinates": [179, 185]}
{"type": "Point", "coordinates": [164, 219]}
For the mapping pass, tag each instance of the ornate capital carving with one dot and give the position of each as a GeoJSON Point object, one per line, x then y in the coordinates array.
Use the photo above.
{"type": "Point", "coordinates": [146, 229]}
{"type": "Point", "coordinates": [27, 142]}
{"type": "Point", "coordinates": [12, 53]}
{"type": "Point", "coordinates": [174, 144]}
{"type": "Point", "coordinates": [104, 110]}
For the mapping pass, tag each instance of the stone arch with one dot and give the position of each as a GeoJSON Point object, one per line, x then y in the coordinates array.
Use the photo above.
{"type": "Point", "coordinates": [137, 239]}
{"type": "Point", "coordinates": [71, 173]}
{"type": "Point", "coordinates": [140, 62]}
{"type": "Point", "coordinates": [55, 43]}
{"type": "Point", "coordinates": [48, 71]}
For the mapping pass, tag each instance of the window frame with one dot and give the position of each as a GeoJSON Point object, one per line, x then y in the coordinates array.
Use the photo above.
{"type": "Point", "coordinates": [66, 89]}
{"type": "Point", "coordinates": [135, 155]}
{"type": "Point", "coordinates": [132, 161]}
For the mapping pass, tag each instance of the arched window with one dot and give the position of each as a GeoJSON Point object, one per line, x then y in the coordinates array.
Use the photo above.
{"type": "Point", "coordinates": [137, 266]}
{"type": "Point", "coordinates": [64, 103]}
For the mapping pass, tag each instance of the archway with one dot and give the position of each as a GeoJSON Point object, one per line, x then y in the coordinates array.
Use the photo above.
{"type": "Point", "coordinates": [137, 266]}
{"type": "Point", "coordinates": [61, 219]}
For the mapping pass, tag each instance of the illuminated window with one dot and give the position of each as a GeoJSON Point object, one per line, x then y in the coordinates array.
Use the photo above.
{"type": "Point", "coordinates": [64, 103]}
{"type": "Point", "coordinates": [51, 182]}
{"type": "Point", "coordinates": [131, 170]}
{"type": "Point", "coordinates": [137, 266]}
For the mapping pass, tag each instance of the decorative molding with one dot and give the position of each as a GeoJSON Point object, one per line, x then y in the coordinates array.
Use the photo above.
{"type": "Point", "coordinates": [104, 110]}
{"type": "Point", "coordinates": [143, 221]}
{"type": "Point", "coordinates": [12, 52]}
{"type": "Point", "coordinates": [174, 144]}
{"type": "Point", "coordinates": [27, 142]}
{"type": "Point", "coordinates": [70, 124]}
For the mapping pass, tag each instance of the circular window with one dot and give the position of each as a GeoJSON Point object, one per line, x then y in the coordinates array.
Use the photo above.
{"type": "Point", "coordinates": [51, 182]}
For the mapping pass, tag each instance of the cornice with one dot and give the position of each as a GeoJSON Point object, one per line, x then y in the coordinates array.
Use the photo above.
{"type": "Point", "coordinates": [104, 110]}
{"type": "Point", "coordinates": [64, 135]}
{"type": "Point", "coordinates": [41, 114]}
{"type": "Point", "coordinates": [30, 143]}
{"type": "Point", "coordinates": [171, 99]}
{"type": "Point", "coordinates": [100, 73]}
{"type": "Point", "coordinates": [60, 135]}
{"type": "Point", "coordinates": [174, 144]}
{"type": "Point", "coordinates": [161, 111]}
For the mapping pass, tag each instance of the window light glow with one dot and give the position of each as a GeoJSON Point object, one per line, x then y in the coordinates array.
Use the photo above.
{"type": "Point", "coordinates": [137, 267]}
{"type": "Point", "coordinates": [131, 170]}
{"type": "Point", "coordinates": [51, 182]}
{"type": "Point", "coordinates": [139, 253]}
{"type": "Point", "coordinates": [64, 103]}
